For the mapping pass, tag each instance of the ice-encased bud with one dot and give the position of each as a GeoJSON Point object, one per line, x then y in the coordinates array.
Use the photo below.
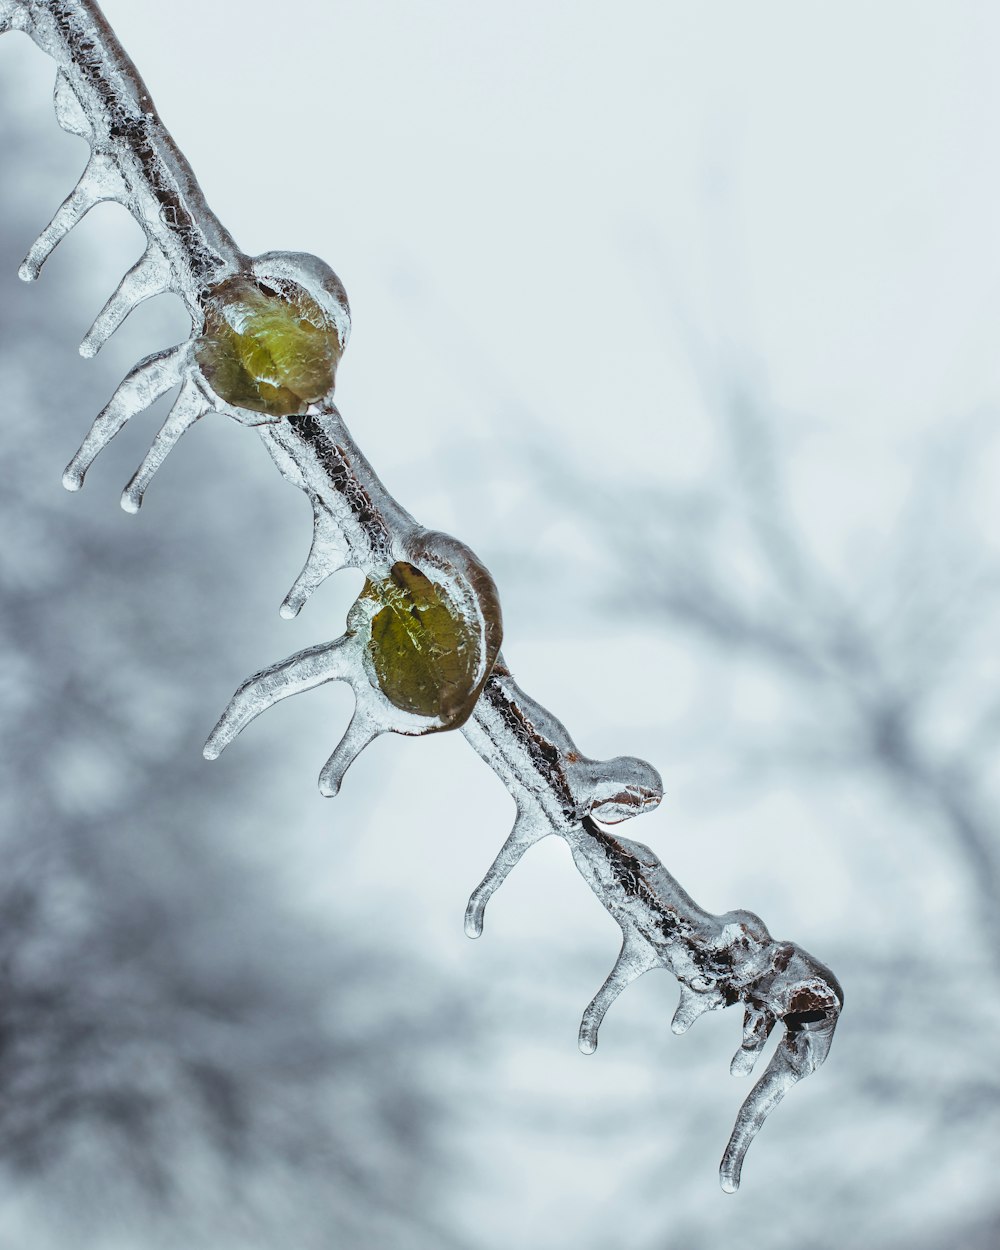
{"type": "Point", "coordinates": [424, 651]}
{"type": "Point", "coordinates": [619, 789]}
{"type": "Point", "coordinates": [270, 349]}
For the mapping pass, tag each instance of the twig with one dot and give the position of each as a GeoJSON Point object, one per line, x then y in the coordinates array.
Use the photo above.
{"type": "Point", "coordinates": [421, 650]}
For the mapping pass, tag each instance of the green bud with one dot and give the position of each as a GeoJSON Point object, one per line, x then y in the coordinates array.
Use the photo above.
{"type": "Point", "coordinates": [267, 351]}
{"type": "Point", "coordinates": [425, 654]}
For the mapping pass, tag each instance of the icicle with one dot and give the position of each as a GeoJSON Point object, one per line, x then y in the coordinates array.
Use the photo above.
{"type": "Point", "coordinates": [148, 277]}
{"type": "Point", "coordinates": [190, 406]}
{"type": "Point", "coordinates": [361, 732]}
{"type": "Point", "coordinates": [70, 113]}
{"type": "Point", "coordinates": [757, 1026]}
{"type": "Point", "coordinates": [100, 181]}
{"type": "Point", "coordinates": [779, 1078]}
{"type": "Point", "coordinates": [303, 671]}
{"type": "Point", "coordinates": [150, 379]}
{"type": "Point", "coordinates": [809, 1028]}
{"type": "Point", "coordinates": [631, 963]}
{"type": "Point", "coordinates": [692, 1005]}
{"type": "Point", "coordinates": [335, 661]}
{"type": "Point", "coordinates": [529, 827]}
{"type": "Point", "coordinates": [326, 556]}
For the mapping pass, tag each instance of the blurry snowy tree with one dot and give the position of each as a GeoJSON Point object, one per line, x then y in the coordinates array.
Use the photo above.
{"type": "Point", "coordinates": [188, 1055]}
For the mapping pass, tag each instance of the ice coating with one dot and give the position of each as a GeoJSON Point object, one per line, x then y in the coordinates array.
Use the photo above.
{"type": "Point", "coordinates": [421, 649]}
{"type": "Point", "coordinates": [100, 97]}
{"type": "Point", "coordinates": [719, 961]}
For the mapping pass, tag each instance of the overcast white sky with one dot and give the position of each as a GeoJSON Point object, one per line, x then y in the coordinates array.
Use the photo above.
{"type": "Point", "coordinates": [519, 197]}
{"type": "Point", "coordinates": [840, 157]}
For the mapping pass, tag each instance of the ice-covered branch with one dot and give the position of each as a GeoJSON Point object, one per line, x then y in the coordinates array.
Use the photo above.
{"type": "Point", "coordinates": [718, 960]}
{"type": "Point", "coordinates": [421, 649]}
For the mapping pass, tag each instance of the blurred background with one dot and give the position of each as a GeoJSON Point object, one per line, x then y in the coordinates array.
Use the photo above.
{"type": "Point", "coordinates": [684, 318]}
